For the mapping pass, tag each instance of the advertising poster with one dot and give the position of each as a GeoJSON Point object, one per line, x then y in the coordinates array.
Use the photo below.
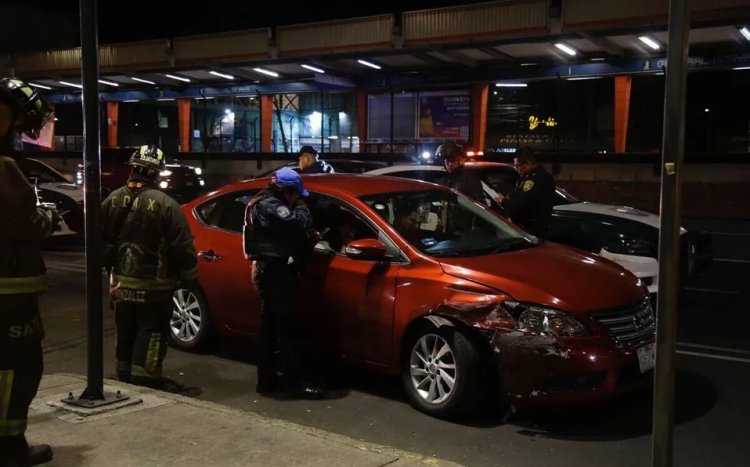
{"type": "Point", "coordinates": [444, 116]}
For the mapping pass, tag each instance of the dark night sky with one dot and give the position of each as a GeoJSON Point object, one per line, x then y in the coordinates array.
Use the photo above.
{"type": "Point", "coordinates": [46, 24]}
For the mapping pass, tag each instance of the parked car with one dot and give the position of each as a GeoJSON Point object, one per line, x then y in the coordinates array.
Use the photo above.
{"type": "Point", "coordinates": [181, 182]}
{"type": "Point", "coordinates": [416, 279]}
{"type": "Point", "coordinates": [623, 234]}
{"type": "Point", "coordinates": [53, 187]}
{"type": "Point", "coordinates": [348, 166]}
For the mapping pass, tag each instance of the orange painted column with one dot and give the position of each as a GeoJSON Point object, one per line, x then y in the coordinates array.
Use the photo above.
{"type": "Point", "coordinates": [622, 111]}
{"type": "Point", "coordinates": [362, 120]}
{"type": "Point", "coordinates": [183, 122]}
{"type": "Point", "coordinates": [479, 94]}
{"type": "Point", "coordinates": [113, 109]}
{"type": "Point", "coordinates": [266, 122]}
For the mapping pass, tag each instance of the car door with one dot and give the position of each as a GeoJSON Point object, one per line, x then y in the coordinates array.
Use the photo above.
{"type": "Point", "coordinates": [224, 273]}
{"type": "Point", "coordinates": [352, 300]}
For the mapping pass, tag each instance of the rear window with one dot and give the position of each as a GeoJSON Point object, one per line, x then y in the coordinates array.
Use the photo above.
{"type": "Point", "coordinates": [226, 212]}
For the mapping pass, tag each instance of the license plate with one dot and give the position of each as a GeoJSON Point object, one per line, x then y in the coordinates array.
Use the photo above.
{"type": "Point", "coordinates": [647, 357]}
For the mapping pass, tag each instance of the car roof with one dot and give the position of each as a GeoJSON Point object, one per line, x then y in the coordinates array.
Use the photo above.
{"type": "Point", "coordinates": [355, 185]}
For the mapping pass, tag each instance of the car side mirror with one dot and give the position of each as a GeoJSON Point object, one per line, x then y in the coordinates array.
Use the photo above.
{"type": "Point", "coordinates": [367, 249]}
{"type": "Point", "coordinates": [324, 247]}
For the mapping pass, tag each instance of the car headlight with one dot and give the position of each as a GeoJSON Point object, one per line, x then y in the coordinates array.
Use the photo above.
{"type": "Point", "coordinates": [164, 184]}
{"type": "Point", "coordinates": [198, 171]}
{"type": "Point", "coordinates": [537, 319]}
{"type": "Point", "coordinates": [165, 173]}
{"type": "Point", "coordinates": [635, 247]}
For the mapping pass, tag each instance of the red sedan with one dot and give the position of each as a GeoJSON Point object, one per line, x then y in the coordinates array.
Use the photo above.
{"type": "Point", "coordinates": [416, 279]}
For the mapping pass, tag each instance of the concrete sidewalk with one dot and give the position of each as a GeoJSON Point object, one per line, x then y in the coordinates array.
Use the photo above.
{"type": "Point", "coordinates": [156, 428]}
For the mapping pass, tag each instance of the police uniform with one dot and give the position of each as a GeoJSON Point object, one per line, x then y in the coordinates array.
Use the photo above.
{"type": "Point", "coordinates": [276, 238]}
{"type": "Point", "coordinates": [319, 167]}
{"type": "Point", "coordinates": [22, 279]}
{"type": "Point", "coordinates": [149, 248]}
{"type": "Point", "coordinates": [530, 204]}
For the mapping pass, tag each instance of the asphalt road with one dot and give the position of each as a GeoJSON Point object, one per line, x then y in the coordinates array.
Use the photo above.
{"type": "Point", "coordinates": [712, 400]}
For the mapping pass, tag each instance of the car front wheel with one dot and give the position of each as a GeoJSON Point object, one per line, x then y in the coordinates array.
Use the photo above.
{"type": "Point", "coordinates": [189, 327]}
{"type": "Point", "coordinates": [441, 372]}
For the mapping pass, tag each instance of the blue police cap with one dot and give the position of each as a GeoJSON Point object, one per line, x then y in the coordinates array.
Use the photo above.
{"type": "Point", "coordinates": [287, 177]}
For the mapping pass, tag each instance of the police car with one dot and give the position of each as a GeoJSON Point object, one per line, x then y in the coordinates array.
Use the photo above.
{"type": "Point", "coordinates": [623, 234]}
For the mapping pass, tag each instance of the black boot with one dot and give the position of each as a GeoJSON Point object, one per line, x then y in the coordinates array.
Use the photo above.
{"type": "Point", "coordinates": [32, 455]}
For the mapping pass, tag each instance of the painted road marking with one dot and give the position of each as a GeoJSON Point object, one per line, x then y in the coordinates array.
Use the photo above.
{"type": "Point", "coordinates": [711, 347]}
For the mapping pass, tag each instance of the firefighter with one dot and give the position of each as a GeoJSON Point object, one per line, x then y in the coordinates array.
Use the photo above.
{"type": "Point", "coordinates": [149, 250]}
{"type": "Point", "coordinates": [23, 224]}
{"type": "Point", "coordinates": [278, 238]}
{"type": "Point", "coordinates": [530, 205]}
{"type": "Point", "coordinates": [453, 157]}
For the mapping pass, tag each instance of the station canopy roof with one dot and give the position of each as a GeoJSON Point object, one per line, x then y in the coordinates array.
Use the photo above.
{"type": "Point", "coordinates": [502, 42]}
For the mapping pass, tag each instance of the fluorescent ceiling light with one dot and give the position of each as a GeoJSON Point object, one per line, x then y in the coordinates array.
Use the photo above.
{"type": "Point", "coordinates": [165, 99]}
{"type": "Point", "coordinates": [131, 100]}
{"type": "Point", "coordinates": [221, 75]}
{"type": "Point", "coordinates": [266, 72]}
{"type": "Point", "coordinates": [140, 80]}
{"type": "Point", "coordinates": [41, 86]}
{"type": "Point", "coordinates": [745, 32]}
{"type": "Point", "coordinates": [109, 83]}
{"type": "Point", "coordinates": [529, 64]}
{"type": "Point", "coordinates": [312, 68]}
{"type": "Point", "coordinates": [741, 68]}
{"type": "Point", "coordinates": [511, 85]}
{"type": "Point", "coordinates": [178, 78]}
{"type": "Point", "coordinates": [581, 78]}
{"type": "Point", "coordinates": [650, 42]}
{"type": "Point", "coordinates": [598, 59]}
{"type": "Point", "coordinates": [566, 48]}
{"type": "Point", "coordinates": [71, 84]}
{"type": "Point", "coordinates": [370, 64]}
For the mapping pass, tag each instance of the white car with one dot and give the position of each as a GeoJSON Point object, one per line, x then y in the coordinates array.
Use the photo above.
{"type": "Point", "coordinates": [625, 235]}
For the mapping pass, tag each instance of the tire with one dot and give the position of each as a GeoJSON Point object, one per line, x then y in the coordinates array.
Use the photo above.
{"type": "Point", "coordinates": [434, 357]}
{"type": "Point", "coordinates": [189, 326]}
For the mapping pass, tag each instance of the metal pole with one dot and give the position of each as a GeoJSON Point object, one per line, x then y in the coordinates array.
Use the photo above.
{"type": "Point", "coordinates": [92, 201]}
{"type": "Point", "coordinates": [673, 149]}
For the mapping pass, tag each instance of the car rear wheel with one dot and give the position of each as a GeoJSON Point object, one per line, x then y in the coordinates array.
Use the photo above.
{"type": "Point", "coordinates": [441, 372]}
{"type": "Point", "coordinates": [189, 327]}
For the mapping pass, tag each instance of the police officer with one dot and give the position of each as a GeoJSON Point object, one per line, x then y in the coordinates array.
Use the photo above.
{"type": "Point", "coordinates": [453, 157]}
{"type": "Point", "coordinates": [309, 163]}
{"type": "Point", "coordinates": [530, 204]}
{"type": "Point", "coordinates": [277, 236]}
{"type": "Point", "coordinates": [149, 248]}
{"type": "Point", "coordinates": [22, 275]}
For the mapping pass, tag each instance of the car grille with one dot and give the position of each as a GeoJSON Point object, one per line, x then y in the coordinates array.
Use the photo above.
{"type": "Point", "coordinates": [630, 327]}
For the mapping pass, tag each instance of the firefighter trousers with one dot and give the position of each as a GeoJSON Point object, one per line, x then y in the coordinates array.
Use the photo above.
{"type": "Point", "coordinates": [142, 338]}
{"type": "Point", "coordinates": [21, 366]}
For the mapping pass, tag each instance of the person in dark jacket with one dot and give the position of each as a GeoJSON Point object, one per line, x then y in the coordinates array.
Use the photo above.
{"type": "Point", "coordinates": [277, 237]}
{"type": "Point", "coordinates": [23, 225]}
{"type": "Point", "coordinates": [149, 250]}
{"type": "Point", "coordinates": [530, 205]}
{"type": "Point", "coordinates": [453, 158]}
{"type": "Point", "coordinates": [309, 163]}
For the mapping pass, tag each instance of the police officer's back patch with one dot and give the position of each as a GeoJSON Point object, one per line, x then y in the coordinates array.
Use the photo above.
{"type": "Point", "coordinates": [528, 185]}
{"type": "Point", "coordinates": [283, 212]}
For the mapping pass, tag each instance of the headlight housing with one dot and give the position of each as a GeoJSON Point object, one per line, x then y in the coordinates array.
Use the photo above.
{"type": "Point", "coordinates": [537, 319]}
{"type": "Point", "coordinates": [198, 171]}
{"type": "Point", "coordinates": [633, 246]}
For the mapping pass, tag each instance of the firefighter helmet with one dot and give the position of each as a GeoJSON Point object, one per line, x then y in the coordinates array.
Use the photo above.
{"type": "Point", "coordinates": [148, 157]}
{"type": "Point", "coordinates": [31, 109]}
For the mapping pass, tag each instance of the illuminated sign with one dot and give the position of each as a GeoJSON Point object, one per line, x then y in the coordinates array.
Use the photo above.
{"type": "Point", "coordinates": [534, 122]}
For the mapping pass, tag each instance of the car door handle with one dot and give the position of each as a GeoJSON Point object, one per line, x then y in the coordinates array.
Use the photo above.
{"type": "Point", "coordinates": [209, 255]}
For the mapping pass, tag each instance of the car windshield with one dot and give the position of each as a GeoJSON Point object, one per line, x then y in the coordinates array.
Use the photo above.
{"type": "Point", "coordinates": [445, 223]}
